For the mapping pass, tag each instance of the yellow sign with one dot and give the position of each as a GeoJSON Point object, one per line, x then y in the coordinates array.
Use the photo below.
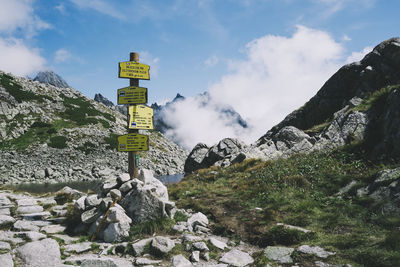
{"type": "Point", "coordinates": [133, 142]}
{"type": "Point", "coordinates": [134, 70]}
{"type": "Point", "coordinates": [141, 117]}
{"type": "Point", "coordinates": [132, 95]}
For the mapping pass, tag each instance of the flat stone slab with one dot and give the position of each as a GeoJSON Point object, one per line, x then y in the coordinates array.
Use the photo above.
{"type": "Point", "coordinates": [24, 225]}
{"type": "Point", "coordinates": [180, 261]}
{"type": "Point", "coordinates": [318, 251]}
{"type": "Point", "coordinates": [217, 243]}
{"type": "Point", "coordinates": [6, 260]}
{"type": "Point", "coordinates": [78, 247]}
{"type": "Point", "coordinates": [8, 236]}
{"type": "Point", "coordinates": [4, 201]}
{"type": "Point", "coordinates": [53, 229]}
{"type": "Point", "coordinates": [5, 211]}
{"type": "Point", "coordinates": [29, 209]}
{"type": "Point", "coordinates": [146, 261]}
{"type": "Point", "coordinates": [93, 260]}
{"type": "Point", "coordinates": [31, 235]}
{"type": "Point", "coordinates": [27, 202]}
{"type": "Point", "coordinates": [138, 247]}
{"type": "Point", "coordinates": [67, 239]}
{"type": "Point", "coordinates": [280, 254]}
{"type": "Point", "coordinates": [5, 219]}
{"type": "Point", "coordinates": [4, 246]}
{"type": "Point", "coordinates": [236, 258]}
{"type": "Point", "coordinates": [39, 253]}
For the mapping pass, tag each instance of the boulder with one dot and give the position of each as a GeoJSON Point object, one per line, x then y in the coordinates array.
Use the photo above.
{"type": "Point", "coordinates": [279, 254]}
{"type": "Point", "coordinates": [39, 253]}
{"type": "Point", "coordinates": [147, 200]}
{"type": "Point", "coordinates": [195, 159]}
{"type": "Point", "coordinates": [138, 247]}
{"type": "Point", "coordinates": [317, 251]}
{"type": "Point", "coordinates": [180, 261]}
{"type": "Point", "coordinates": [237, 258]}
{"type": "Point", "coordinates": [6, 260]}
{"type": "Point", "coordinates": [92, 201]}
{"type": "Point", "coordinates": [116, 232]}
{"type": "Point", "coordinates": [5, 220]}
{"type": "Point", "coordinates": [161, 245]}
{"type": "Point", "coordinates": [91, 215]}
{"type": "Point", "coordinates": [198, 219]}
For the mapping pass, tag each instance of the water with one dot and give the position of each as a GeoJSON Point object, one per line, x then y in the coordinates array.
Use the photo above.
{"type": "Point", "coordinates": [82, 186]}
{"type": "Point", "coordinates": [171, 179]}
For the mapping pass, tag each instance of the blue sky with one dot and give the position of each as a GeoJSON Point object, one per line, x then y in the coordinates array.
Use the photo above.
{"type": "Point", "coordinates": [196, 46]}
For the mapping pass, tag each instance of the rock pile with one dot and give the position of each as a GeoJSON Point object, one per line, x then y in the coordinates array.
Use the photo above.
{"type": "Point", "coordinates": [121, 202]}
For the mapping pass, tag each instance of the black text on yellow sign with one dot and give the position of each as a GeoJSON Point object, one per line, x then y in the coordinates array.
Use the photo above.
{"type": "Point", "coordinates": [132, 95]}
{"type": "Point", "coordinates": [134, 70]}
{"type": "Point", "coordinates": [141, 117]}
{"type": "Point", "coordinates": [133, 142]}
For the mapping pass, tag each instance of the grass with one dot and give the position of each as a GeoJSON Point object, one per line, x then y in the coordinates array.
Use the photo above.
{"type": "Point", "coordinates": [111, 141]}
{"type": "Point", "coordinates": [375, 97]}
{"type": "Point", "coordinates": [160, 226]}
{"type": "Point", "coordinates": [299, 191]}
{"type": "Point", "coordinates": [15, 89]}
{"type": "Point", "coordinates": [87, 147]}
{"type": "Point", "coordinates": [58, 142]}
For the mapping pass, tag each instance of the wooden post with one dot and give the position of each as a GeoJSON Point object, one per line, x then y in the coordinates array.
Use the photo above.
{"type": "Point", "coordinates": [132, 167]}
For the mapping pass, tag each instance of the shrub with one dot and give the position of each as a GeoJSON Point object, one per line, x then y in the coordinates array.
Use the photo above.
{"type": "Point", "coordinates": [58, 142]}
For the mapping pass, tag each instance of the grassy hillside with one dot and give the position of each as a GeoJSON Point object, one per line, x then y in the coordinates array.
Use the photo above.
{"type": "Point", "coordinates": [246, 201]}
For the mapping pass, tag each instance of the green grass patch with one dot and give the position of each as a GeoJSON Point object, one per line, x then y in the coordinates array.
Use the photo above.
{"type": "Point", "coordinates": [300, 190]}
{"type": "Point", "coordinates": [15, 89]}
{"type": "Point", "coordinates": [111, 141]}
{"type": "Point", "coordinates": [87, 147]}
{"type": "Point", "coordinates": [82, 112]}
{"type": "Point", "coordinates": [160, 226]}
{"type": "Point", "coordinates": [375, 97]}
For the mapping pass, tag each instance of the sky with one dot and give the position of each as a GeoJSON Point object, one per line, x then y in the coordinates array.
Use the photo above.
{"type": "Point", "coordinates": [263, 58]}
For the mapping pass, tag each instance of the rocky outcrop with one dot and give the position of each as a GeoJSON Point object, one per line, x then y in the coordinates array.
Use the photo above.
{"type": "Point", "coordinates": [49, 77]}
{"type": "Point", "coordinates": [332, 118]}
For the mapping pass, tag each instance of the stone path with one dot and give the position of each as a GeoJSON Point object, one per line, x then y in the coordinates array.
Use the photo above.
{"type": "Point", "coordinates": [32, 233]}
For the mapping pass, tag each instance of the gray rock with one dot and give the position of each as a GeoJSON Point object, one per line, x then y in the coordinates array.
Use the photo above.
{"type": "Point", "coordinates": [29, 209]}
{"type": "Point", "coordinates": [297, 228]}
{"type": "Point", "coordinates": [115, 194]}
{"type": "Point", "coordinates": [36, 216]}
{"type": "Point", "coordinates": [27, 202]}
{"type": "Point", "coordinates": [116, 232]}
{"type": "Point", "coordinates": [117, 214]}
{"type": "Point", "coordinates": [138, 247]}
{"type": "Point", "coordinates": [162, 245]}
{"type": "Point", "coordinates": [80, 204]}
{"type": "Point", "coordinates": [196, 157]}
{"type": "Point", "coordinates": [125, 187]}
{"type": "Point", "coordinates": [6, 260]}
{"type": "Point", "coordinates": [147, 201]}
{"type": "Point", "coordinates": [217, 243]}
{"type": "Point", "coordinates": [146, 261]}
{"type": "Point", "coordinates": [67, 239]}
{"type": "Point", "coordinates": [205, 256]}
{"type": "Point", "coordinates": [40, 174]}
{"type": "Point", "coordinates": [279, 254]}
{"type": "Point", "coordinates": [39, 253]}
{"type": "Point", "coordinates": [23, 225]}
{"type": "Point", "coordinates": [123, 178]}
{"type": "Point", "coordinates": [4, 246]}
{"type": "Point", "coordinates": [75, 194]}
{"type": "Point", "coordinates": [237, 258]}
{"type": "Point", "coordinates": [6, 220]}
{"type": "Point", "coordinates": [78, 247]}
{"type": "Point", "coordinates": [200, 246]}
{"type": "Point", "coordinates": [92, 201]}
{"type": "Point", "coordinates": [191, 238]}
{"type": "Point", "coordinates": [318, 251]}
{"type": "Point", "coordinates": [195, 256]}
{"type": "Point", "coordinates": [180, 261]}
{"type": "Point", "coordinates": [91, 215]}
{"type": "Point", "coordinates": [49, 77]}
{"type": "Point", "coordinates": [198, 219]}
{"type": "Point", "coordinates": [98, 263]}
{"type": "Point", "coordinates": [53, 229]}
{"type": "Point", "coordinates": [31, 235]}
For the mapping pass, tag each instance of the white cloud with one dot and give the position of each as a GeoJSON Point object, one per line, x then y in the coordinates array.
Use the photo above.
{"type": "Point", "coordinates": [19, 14]}
{"type": "Point", "coordinates": [346, 38]}
{"type": "Point", "coordinates": [100, 6]}
{"type": "Point", "coordinates": [62, 55]}
{"type": "Point", "coordinates": [211, 61]}
{"type": "Point", "coordinates": [279, 75]}
{"type": "Point", "coordinates": [61, 7]}
{"type": "Point", "coordinates": [18, 58]}
{"type": "Point", "coordinates": [152, 61]}
{"type": "Point", "coordinates": [357, 56]}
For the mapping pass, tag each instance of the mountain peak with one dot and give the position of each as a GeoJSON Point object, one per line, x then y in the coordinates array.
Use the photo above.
{"type": "Point", "coordinates": [52, 78]}
{"type": "Point", "coordinates": [102, 99]}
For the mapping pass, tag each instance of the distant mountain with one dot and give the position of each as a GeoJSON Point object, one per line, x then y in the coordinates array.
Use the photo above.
{"type": "Point", "coordinates": [52, 78]}
{"type": "Point", "coordinates": [101, 99]}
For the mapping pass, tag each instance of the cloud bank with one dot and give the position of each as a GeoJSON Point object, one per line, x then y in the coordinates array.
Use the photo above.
{"type": "Point", "coordinates": [278, 76]}
{"type": "Point", "coordinates": [18, 16]}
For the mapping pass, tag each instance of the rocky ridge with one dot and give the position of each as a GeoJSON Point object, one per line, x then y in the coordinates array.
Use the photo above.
{"type": "Point", "coordinates": [361, 102]}
{"type": "Point", "coordinates": [49, 77]}
{"type": "Point", "coordinates": [52, 134]}
{"type": "Point", "coordinates": [35, 232]}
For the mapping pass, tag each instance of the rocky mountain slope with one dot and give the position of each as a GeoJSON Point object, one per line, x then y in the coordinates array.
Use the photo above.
{"type": "Point", "coordinates": [50, 134]}
{"type": "Point", "coordinates": [360, 102]}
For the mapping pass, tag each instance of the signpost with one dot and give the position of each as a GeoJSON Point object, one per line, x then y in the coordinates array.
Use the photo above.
{"type": "Point", "coordinates": [133, 142]}
{"type": "Point", "coordinates": [139, 116]}
{"type": "Point", "coordinates": [132, 95]}
{"type": "Point", "coordinates": [134, 70]}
